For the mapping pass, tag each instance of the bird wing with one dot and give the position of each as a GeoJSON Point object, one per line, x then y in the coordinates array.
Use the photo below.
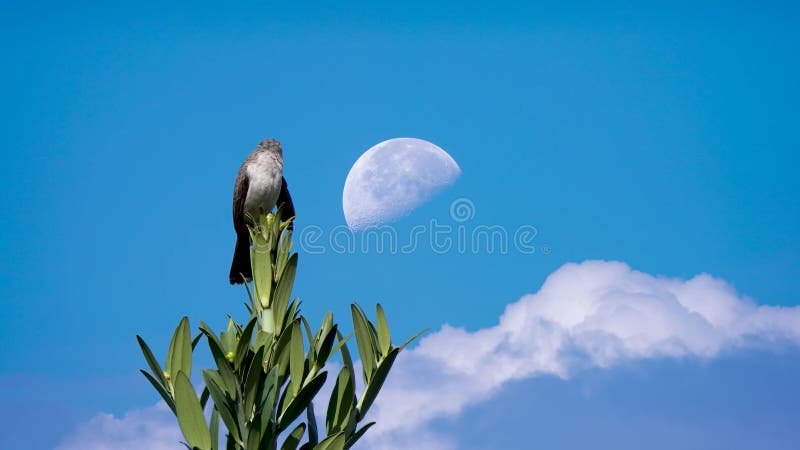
{"type": "Point", "coordinates": [286, 200]}
{"type": "Point", "coordinates": [239, 196]}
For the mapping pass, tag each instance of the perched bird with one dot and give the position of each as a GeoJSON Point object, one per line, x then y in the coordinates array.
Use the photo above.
{"type": "Point", "coordinates": [259, 185]}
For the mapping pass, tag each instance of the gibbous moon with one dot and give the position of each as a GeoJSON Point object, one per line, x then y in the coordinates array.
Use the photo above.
{"type": "Point", "coordinates": [392, 178]}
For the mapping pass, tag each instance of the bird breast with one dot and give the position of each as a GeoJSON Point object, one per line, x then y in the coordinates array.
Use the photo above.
{"type": "Point", "coordinates": [264, 174]}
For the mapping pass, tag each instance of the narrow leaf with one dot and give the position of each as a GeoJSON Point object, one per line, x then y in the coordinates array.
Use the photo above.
{"type": "Point", "coordinates": [214, 429]}
{"type": "Point", "coordinates": [224, 369]}
{"type": "Point", "coordinates": [334, 442]}
{"type": "Point", "coordinates": [190, 414]}
{"type": "Point", "coordinates": [366, 346]}
{"type": "Point", "coordinates": [284, 248]}
{"type": "Point", "coordinates": [346, 358]}
{"type": "Point", "coordinates": [384, 338]}
{"type": "Point", "coordinates": [222, 403]}
{"type": "Point", "coordinates": [252, 382]}
{"type": "Point", "coordinates": [311, 418]}
{"type": "Point", "coordinates": [312, 351]}
{"type": "Point", "coordinates": [196, 340]}
{"type": "Point", "coordinates": [301, 401]}
{"type": "Point", "coordinates": [325, 346]}
{"type": "Point", "coordinates": [374, 386]}
{"type": "Point", "coordinates": [413, 338]}
{"type": "Point", "coordinates": [341, 343]}
{"type": "Point", "coordinates": [283, 290]}
{"type": "Point", "coordinates": [357, 435]}
{"type": "Point", "coordinates": [179, 356]}
{"type": "Point", "coordinates": [291, 311]}
{"type": "Point", "coordinates": [161, 390]}
{"type": "Point", "coordinates": [341, 403]}
{"type": "Point", "coordinates": [262, 273]}
{"type": "Point", "coordinates": [293, 440]}
{"type": "Point", "coordinates": [252, 306]}
{"type": "Point", "coordinates": [204, 397]}
{"type": "Point", "coordinates": [296, 359]}
{"type": "Point", "coordinates": [254, 433]}
{"type": "Point", "coordinates": [270, 392]}
{"type": "Point", "coordinates": [243, 345]}
{"type": "Point", "coordinates": [152, 361]}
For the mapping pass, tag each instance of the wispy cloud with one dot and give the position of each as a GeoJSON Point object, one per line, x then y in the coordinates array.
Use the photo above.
{"type": "Point", "coordinates": [592, 314]}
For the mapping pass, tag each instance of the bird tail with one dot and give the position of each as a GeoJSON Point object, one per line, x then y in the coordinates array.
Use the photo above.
{"type": "Point", "coordinates": [240, 267]}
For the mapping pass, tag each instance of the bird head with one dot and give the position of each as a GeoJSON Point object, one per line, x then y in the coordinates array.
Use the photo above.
{"type": "Point", "coordinates": [270, 145]}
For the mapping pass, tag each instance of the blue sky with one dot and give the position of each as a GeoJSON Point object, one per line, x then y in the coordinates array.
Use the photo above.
{"type": "Point", "coordinates": [665, 138]}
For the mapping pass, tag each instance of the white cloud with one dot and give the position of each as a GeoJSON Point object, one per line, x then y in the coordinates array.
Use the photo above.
{"type": "Point", "coordinates": [592, 314]}
{"type": "Point", "coordinates": [153, 428]}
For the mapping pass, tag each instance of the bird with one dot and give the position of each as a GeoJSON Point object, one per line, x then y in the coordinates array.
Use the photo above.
{"type": "Point", "coordinates": [260, 185]}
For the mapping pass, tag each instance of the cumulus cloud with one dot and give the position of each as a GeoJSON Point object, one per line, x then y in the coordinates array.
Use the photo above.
{"type": "Point", "coordinates": [153, 428]}
{"type": "Point", "coordinates": [592, 314]}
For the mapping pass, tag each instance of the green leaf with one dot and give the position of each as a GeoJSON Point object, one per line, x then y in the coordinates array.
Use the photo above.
{"type": "Point", "coordinates": [210, 335]}
{"type": "Point", "coordinates": [214, 429]}
{"type": "Point", "coordinates": [301, 401]}
{"type": "Point", "coordinates": [190, 414]}
{"type": "Point", "coordinates": [291, 312]}
{"type": "Point", "coordinates": [222, 403]}
{"type": "Point", "coordinates": [340, 344]}
{"type": "Point", "coordinates": [334, 442]}
{"type": "Point", "coordinates": [270, 392]}
{"type": "Point", "coordinates": [293, 440]}
{"type": "Point", "coordinates": [357, 435]}
{"type": "Point", "coordinates": [196, 340]}
{"type": "Point", "coordinates": [224, 369]}
{"type": "Point", "coordinates": [342, 402]}
{"type": "Point", "coordinates": [179, 356]}
{"type": "Point", "coordinates": [254, 433]}
{"type": "Point", "coordinates": [324, 328]}
{"type": "Point", "coordinates": [262, 339]}
{"type": "Point", "coordinates": [279, 350]}
{"type": "Point", "coordinates": [252, 306]}
{"type": "Point", "coordinates": [384, 338]}
{"type": "Point", "coordinates": [253, 380]}
{"type": "Point", "coordinates": [268, 437]}
{"type": "Point", "coordinates": [243, 345]}
{"type": "Point", "coordinates": [283, 290]}
{"type": "Point", "coordinates": [374, 386]}
{"type": "Point", "coordinates": [324, 347]}
{"type": "Point", "coordinates": [284, 248]}
{"type": "Point", "coordinates": [346, 358]}
{"type": "Point", "coordinates": [230, 337]}
{"type": "Point", "coordinates": [204, 397]}
{"type": "Point", "coordinates": [312, 351]}
{"type": "Point", "coordinates": [366, 346]}
{"type": "Point", "coordinates": [413, 338]}
{"type": "Point", "coordinates": [311, 418]}
{"type": "Point", "coordinates": [373, 334]}
{"type": "Point", "coordinates": [161, 390]}
{"type": "Point", "coordinates": [231, 443]}
{"type": "Point", "coordinates": [262, 273]}
{"type": "Point", "coordinates": [296, 359]}
{"type": "Point", "coordinates": [152, 361]}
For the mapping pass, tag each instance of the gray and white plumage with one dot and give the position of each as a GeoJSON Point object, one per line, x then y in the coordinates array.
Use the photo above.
{"type": "Point", "coordinates": [260, 185]}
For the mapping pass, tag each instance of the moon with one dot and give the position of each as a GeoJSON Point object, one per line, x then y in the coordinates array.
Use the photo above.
{"type": "Point", "coordinates": [393, 178]}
